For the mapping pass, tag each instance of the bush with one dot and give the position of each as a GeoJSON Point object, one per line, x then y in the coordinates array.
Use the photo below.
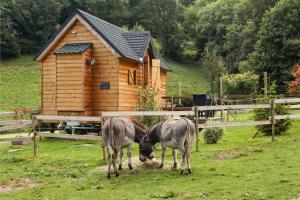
{"type": "Point", "coordinates": [147, 103]}
{"type": "Point", "coordinates": [294, 86]}
{"type": "Point", "coordinates": [281, 126]}
{"type": "Point", "coordinates": [212, 135]}
{"type": "Point", "coordinates": [240, 84]}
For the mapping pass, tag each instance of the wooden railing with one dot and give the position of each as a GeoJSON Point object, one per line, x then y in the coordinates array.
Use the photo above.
{"type": "Point", "coordinates": [13, 124]}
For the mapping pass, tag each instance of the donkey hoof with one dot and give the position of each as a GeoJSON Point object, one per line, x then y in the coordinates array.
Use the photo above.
{"type": "Point", "coordinates": [120, 167]}
{"type": "Point", "coordinates": [190, 171]}
{"type": "Point", "coordinates": [181, 172]}
{"type": "Point", "coordinates": [117, 174]}
{"type": "Point", "coordinates": [108, 175]}
{"type": "Point", "coordinates": [161, 166]}
{"type": "Point", "coordinates": [130, 167]}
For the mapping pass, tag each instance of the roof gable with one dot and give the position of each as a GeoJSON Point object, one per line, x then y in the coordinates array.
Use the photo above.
{"type": "Point", "coordinates": [122, 43]}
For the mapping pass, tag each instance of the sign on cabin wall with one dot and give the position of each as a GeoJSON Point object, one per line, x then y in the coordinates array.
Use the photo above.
{"type": "Point", "coordinates": [105, 85]}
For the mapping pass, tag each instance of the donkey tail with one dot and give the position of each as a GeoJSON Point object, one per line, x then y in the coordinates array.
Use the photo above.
{"type": "Point", "coordinates": [188, 133]}
{"type": "Point", "coordinates": [111, 134]}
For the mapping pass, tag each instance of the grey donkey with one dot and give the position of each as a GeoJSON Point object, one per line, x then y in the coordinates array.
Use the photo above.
{"type": "Point", "coordinates": [172, 133]}
{"type": "Point", "coordinates": [119, 133]}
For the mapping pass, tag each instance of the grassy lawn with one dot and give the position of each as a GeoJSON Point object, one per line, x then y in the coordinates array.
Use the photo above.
{"type": "Point", "coordinates": [19, 83]}
{"type": "Point", "coordinates": [191, 76]}
{"type": "Point", "coordinates": [236, 168]}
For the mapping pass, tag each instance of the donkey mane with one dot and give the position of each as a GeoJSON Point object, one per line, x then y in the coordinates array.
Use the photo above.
{"type": "Point", "coordinates": [139, 132]}
{"type": "Point", "coordinates": [152, 135]}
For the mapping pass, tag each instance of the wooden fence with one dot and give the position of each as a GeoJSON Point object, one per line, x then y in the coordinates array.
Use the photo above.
{"type": "Point", "coordinates": [193, 112]}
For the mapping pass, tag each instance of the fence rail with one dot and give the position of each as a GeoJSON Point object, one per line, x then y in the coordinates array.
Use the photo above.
{"type": "Point", "coordinates": [10, 139]}
{"type": "Point", "coordinates": [229, 124]}
{"type": "Point", "coordinates": [295, 116]}
{"type": "Point", "coordinates": [287, 101]}
{"type": "Point", "coordinates": [147, 113]}
{"type": "Point", "coordinates": [67, 118]}
{"type": "Point", "coordinates": [70, 137]}
{"type": "Point", "coordinates": [13, 124]}
{"type": "Point", "coordinates": [19, 126]}
{"type": "Point", "coordinates": [233, 107]}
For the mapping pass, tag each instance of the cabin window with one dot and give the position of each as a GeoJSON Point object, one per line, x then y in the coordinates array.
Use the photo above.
{"type": "Point", "coordinates": [132, 77]}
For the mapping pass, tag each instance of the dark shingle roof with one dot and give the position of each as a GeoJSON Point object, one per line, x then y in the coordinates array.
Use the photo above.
{"type": "Point", "coordinates": [74, 48]}
{"type": "Point", "coordinates": [131, 45]}
{"type": "Point", "coordinates": [116, 37]}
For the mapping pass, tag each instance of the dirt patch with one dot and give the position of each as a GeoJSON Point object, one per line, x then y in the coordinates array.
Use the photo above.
{"type": "Point", "coordinates": [229, 154]}
{"type": "Point", "coordinates": [137, 164]}
{"type": "Point", "coordinates": [13, 150]}
{"type": "Point", "coordinates": [87, 145]}
{"type": "Point", "coordinates": [296, 198]}
{"type": "Point", "coordinates": [18, 185]}
{"type": "Point", "coordinates": [237, 154]}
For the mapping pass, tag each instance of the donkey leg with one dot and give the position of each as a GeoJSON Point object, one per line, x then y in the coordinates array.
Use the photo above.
{"type": "Point", "coordinates": [114, 160]}
{"type": "Point", "coordinates": [129, 157]}
{"type": "Point", "coordinates": [120, 161]}
{"type": "Point", "coordinates": [188, 158]}
{"type": "Point", "coordinates": [163, 155]}
{"type": "Point", "coordinates": [108, 161]}
{"type": "Point", "coordinates": [182, 150]}
{"type": "Point", "coordinates": [175, 158]}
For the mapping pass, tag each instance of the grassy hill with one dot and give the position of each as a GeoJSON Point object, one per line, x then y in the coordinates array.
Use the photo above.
{"type": "Point", "coordinates": [20, 82]}
{"type": "Point", "coordinates": [191, 76]}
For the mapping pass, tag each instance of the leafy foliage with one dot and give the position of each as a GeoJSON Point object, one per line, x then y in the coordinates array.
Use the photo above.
{"type": "Point", "coordinates": [245, 83]}
{"type": "Point", "coordinates": [246, 35]}
{"type": "Point", "coordinates": [147, 102]}
{"type": "Point", "coordinates": [275, 51]}
{"type": "Point", "coordinates": [212, 135]}
{"type": "Point", "coordinates": [213, 65]}
{"type": "Point", "coordinates": [8, 35]}
{"type": "Point", "coordinates": [294, 86]}
{"type": "Point", "coordinates": [260, 114]}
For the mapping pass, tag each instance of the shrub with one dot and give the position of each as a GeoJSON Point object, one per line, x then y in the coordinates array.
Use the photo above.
{"type": "Point", "coordinates": [212, 135]}
{"type": "Point", "coordinates": [240, 84]}
{"type": "Point", "coordinates": [147, 102]}
{"type": "Point", "coordinates": [294, 86]}
{"type": "Point", "coordinates": [281, 126]}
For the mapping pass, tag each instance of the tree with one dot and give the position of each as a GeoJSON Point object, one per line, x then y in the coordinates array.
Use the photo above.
{"type": "Point", "coordinates": [162, 18]}
{"type": "Point", "coordinates": [275, 51]}
{"type": "Point", "coordinates": [213, 66]}
{"type": "Point", "coordinates": [36, 21]}
{"type": "Point", "coordinates": [9, 46]}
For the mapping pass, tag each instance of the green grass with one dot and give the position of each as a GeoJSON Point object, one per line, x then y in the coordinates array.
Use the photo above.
{"type": "Point", "coordinates": [191, 76]}
{"type": "Point", "coordinates": [19, 83]}
{"type": "Point", "coordinates": [66, 170]}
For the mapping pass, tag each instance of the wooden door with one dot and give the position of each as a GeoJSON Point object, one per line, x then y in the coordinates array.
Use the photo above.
{"type": "Point", "coordinates": [69, 82]}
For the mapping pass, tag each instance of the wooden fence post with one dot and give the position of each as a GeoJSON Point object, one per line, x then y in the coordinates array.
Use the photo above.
{"type": "Point", "coordinates": [179, 101]}
{"type": "Point", "coordinates": [273, 118]}
{"type": "Point", "coordinates": [265, 83]}
{"type": "Point", "coordinates": [197, 127]}
{"type": "Point", "coordinates": [34, 121]}
{"type": "Point", "coordinates": [221, 96]}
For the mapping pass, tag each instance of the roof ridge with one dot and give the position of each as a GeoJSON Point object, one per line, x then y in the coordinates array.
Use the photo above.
{"type": "Point", "coordinates": [106, 22]}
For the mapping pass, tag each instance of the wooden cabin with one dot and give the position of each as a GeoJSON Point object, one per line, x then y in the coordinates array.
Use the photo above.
{"type": "Point", "coordinates": [90, 66]}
